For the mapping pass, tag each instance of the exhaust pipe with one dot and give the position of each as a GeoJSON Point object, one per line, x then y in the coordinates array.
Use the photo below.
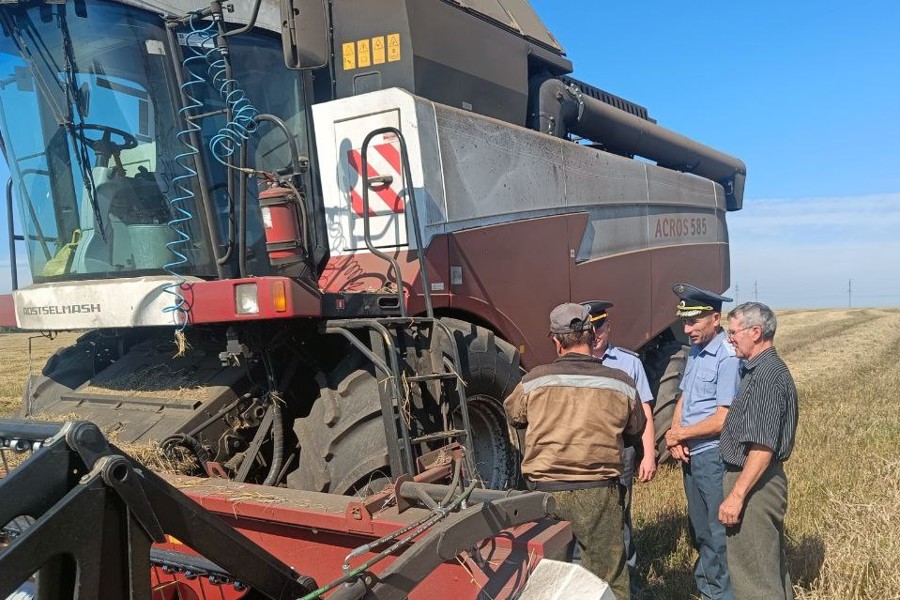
{"type": "Point", "coordinates": [564, 109]}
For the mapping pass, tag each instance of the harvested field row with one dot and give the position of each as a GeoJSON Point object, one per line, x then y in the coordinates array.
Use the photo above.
{"type": "Point", "coordinates": [797, 335]}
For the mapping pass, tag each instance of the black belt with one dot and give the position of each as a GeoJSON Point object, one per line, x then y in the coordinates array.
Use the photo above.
{"type": "Point", "coordinates": [561, 486]}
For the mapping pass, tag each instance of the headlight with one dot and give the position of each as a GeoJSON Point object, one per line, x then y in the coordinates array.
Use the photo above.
{"type": "Point", "coordinates": [246, 300]}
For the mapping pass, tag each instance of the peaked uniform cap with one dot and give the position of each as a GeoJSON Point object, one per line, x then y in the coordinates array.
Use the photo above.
{"type": "Point", "coordinates": [695, 301]}
{"type": "Point", "coordinates": [598, 310]}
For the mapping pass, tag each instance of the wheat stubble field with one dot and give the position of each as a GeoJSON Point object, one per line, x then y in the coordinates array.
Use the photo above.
{"type": "Point", "coordinates": [844, 518]}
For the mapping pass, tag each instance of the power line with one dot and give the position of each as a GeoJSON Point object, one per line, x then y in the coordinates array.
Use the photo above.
{"type": "Point", "coordinates": [830, 293]}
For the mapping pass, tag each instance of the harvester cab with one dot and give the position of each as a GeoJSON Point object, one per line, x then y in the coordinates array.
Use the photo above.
{"type": "Point", "coordinates": [113, 179]}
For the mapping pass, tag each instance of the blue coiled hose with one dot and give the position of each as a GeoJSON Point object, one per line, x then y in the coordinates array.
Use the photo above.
{"type": "Point", "coordinates": [223, 145]}
{"type": "Point", "coordinates": [243, 114]}
{"type": "Point", "coordinates": [198, 37]}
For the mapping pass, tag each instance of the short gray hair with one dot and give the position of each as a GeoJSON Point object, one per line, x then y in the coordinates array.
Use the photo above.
{"type": "Point", "coordinates": [575, 338]}
{"type": "Point", "coordinates": [756, 314]}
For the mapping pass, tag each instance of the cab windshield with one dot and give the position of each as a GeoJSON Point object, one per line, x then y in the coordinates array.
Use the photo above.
{"type": "Point", "coordinates": [90, 128]}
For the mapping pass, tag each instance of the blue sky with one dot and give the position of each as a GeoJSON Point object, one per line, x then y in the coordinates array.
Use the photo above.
{"type": "Point", "coordinates": [806, 93]}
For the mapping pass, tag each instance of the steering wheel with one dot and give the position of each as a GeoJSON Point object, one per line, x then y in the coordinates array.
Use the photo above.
{"type": "Point", "coordinates": [105, 146]}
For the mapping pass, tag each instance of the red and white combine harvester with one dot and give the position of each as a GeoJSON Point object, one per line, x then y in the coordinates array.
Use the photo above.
{"type": "Point", "coordinates": [312, 245]}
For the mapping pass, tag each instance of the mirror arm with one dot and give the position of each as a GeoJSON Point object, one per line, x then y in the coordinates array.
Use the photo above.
{"type": "Point", "coordinates": [250, 25]}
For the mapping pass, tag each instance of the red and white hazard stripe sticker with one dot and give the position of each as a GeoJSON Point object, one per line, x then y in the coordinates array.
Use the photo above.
{"type": "Point", "coordinates": [383, 161]}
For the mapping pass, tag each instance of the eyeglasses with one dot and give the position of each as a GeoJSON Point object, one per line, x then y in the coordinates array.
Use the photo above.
{"type": "Point", "coordinates": [731, 333]}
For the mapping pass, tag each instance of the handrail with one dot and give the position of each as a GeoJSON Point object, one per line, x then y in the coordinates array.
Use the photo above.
{"type": "Point", "coordinates": [411, 204]}
{"type": "Point", "coordinates": [11, 231]}
{"type": "Point", "coordinates": [341, 327]}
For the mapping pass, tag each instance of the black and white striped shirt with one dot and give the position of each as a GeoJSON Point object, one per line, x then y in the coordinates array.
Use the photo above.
{"type": "Point", "coordinates": [764, 412]}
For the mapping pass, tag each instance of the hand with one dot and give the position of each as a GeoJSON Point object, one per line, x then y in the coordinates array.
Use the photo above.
{"type": "Point", "coordinates": [647, 469]}
{"type": "Point", "coordinates": [730, 510]}
{"type": "Point", "coordinates": [673, 436]}
{"type": "Point", "coordinates": [681, 452]}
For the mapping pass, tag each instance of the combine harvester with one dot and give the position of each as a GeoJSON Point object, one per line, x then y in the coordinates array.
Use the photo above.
{"type": "Point", "coordinates": [354, 217]}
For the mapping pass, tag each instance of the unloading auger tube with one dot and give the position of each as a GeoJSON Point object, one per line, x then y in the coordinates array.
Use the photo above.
{"type": "Point", "coordinates": [564, 108]}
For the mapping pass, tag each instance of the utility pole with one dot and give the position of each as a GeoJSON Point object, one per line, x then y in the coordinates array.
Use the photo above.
{"type": "Point", "coordinates": [737, 293]}
{"type": "Point", "coordinates": [850, 294]}
{"type": "Point", "coordinates": [754, 291]}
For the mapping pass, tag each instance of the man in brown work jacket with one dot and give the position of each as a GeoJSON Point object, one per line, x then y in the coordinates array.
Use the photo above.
{"type": "Point", "coordinates": [578, 415]}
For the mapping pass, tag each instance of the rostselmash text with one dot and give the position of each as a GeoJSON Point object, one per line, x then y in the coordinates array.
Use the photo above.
{"type": "Point", "coordinates": [63, 309]}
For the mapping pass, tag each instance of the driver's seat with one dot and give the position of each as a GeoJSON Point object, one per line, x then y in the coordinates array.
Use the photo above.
{"type": "Point", "coordinates": [116, 194]}
{"type": "Point", "coordinates": [94, 254]}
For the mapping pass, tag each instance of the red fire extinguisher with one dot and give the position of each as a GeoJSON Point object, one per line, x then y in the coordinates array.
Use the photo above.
{"type": "Point", "coordinates": [281, 221]}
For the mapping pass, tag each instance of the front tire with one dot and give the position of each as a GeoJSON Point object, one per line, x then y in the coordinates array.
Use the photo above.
{"type": "Point", "coordinates": [665, 368]}
{"type": "Point", "coordinates": [343, 446]}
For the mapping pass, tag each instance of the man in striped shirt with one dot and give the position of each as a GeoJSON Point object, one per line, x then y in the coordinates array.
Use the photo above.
{"type": "Point", "coordinates": [757, 438]}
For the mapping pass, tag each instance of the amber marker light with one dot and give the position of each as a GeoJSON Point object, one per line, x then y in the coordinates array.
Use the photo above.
{"type": "Point", "coordinates": [279, 296]}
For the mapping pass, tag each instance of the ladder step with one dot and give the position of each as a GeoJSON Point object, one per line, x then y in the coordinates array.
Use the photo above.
{"type": "Point", "coordinates": [432, 377]}
{"type": "Point", "coordinates": [441, 435]}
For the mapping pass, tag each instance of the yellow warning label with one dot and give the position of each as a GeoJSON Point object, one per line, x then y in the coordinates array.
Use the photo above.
{"type": "Point", "coordinates": [349, 49]}
{"type": "Point", "coordinates": [378, 50]}
{"type": "Point", "coordinates": [364, 55]}
{"type": "Point", "coordinates": [393, 47]}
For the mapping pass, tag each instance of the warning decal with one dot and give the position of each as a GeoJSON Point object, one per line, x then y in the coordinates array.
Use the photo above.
{"type": "Point", "coordinates": [349, 50]}
{"type": "Point", "coordinates": [385, 194]}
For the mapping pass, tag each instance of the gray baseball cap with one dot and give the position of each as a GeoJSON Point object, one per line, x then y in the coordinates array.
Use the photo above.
{"type": "Point", "coordinates": [569, 318]}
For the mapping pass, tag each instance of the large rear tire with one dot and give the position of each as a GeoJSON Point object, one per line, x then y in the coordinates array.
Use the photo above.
{"type": "Point", "coordinates": [665, 368]}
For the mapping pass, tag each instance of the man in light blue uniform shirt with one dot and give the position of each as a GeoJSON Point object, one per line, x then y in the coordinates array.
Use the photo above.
{"type": "Point", "coordinates": [710, 384]}
{"type": "Point", "coordinates": [629, 363]}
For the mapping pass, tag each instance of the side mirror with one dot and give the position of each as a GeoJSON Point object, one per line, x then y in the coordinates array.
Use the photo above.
{"type": "Point", "coordinates": [304, 33]}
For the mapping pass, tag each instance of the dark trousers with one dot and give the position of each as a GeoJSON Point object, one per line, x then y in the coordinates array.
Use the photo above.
{"type": "Point", "coordinates": [627, 480]}
{"type": "Point", "coordinates": [756, 545]}
{"type": "Point", "coordinates": [703, 477]}
{"type": "Point", "coordinates": [596, 516]}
